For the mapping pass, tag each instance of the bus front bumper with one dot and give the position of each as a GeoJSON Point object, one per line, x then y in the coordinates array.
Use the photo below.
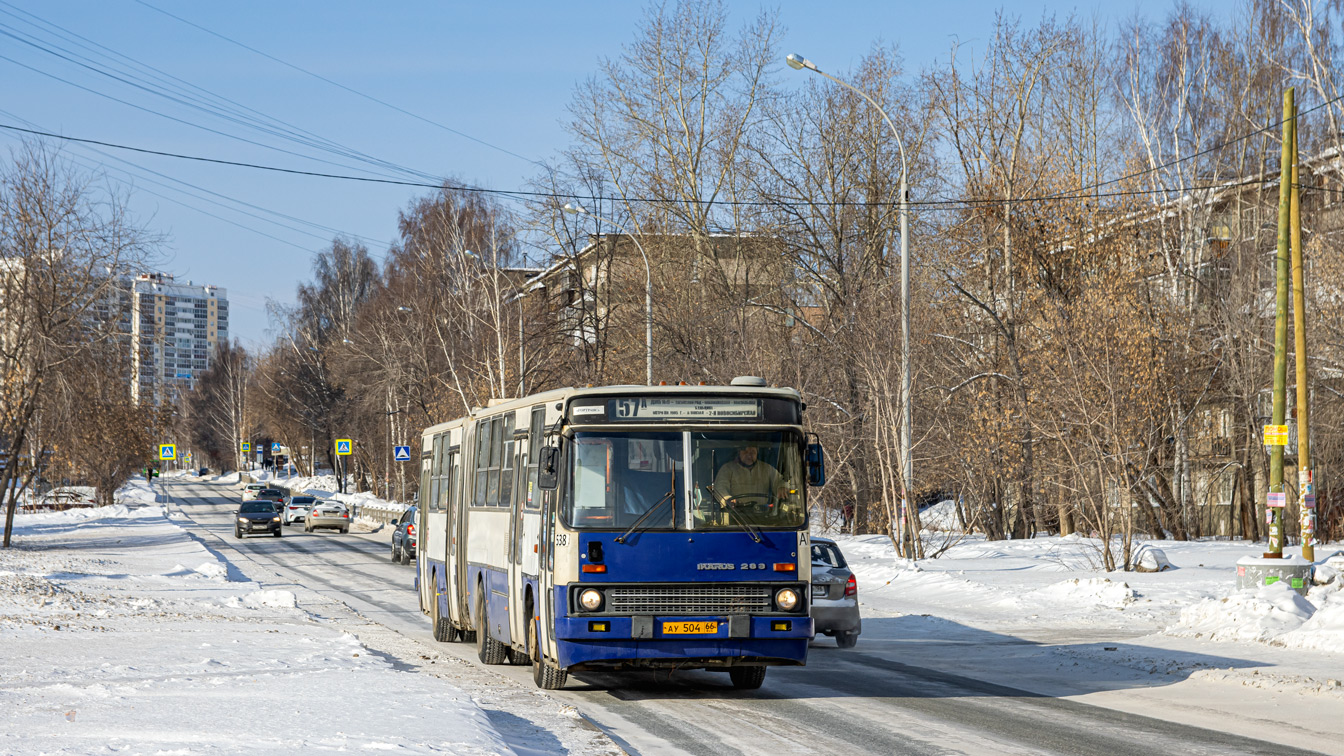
{"type": "Point", "coordinates": [652, 641]}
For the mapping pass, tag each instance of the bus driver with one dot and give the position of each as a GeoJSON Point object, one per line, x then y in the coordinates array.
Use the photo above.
{"type": "Point", "coordinates": [745, 480]}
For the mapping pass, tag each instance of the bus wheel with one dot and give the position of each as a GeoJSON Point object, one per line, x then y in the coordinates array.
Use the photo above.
{"type": "Point", "coordinates": [746, 678]}
{"type": "Point", "coordinates": [488, 650]}
{"type": "Point", "coordinates": [546, 676]}
{"type": "Point", "coordinates": [444, 632]}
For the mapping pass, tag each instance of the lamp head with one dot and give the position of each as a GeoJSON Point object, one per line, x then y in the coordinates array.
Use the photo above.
{"type": "Point", "coordinates": [573, 209]}
{"type": "Point", "coordinates": [798, 62]}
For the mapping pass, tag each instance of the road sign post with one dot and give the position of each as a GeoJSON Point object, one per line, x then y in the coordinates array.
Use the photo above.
{"type": "Point", "coordinates": [344, 448]}
{"type": "Point", "coordinates": [401, 454]}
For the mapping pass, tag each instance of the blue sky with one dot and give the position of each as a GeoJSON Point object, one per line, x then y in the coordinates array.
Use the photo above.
{"type": "Point", "coordinates": [500, 72]}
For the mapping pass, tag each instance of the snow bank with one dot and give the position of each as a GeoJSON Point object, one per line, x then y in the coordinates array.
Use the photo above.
{"type": "Point", "coordinates": [1324, 631]}
{"type": "Point", "coordinates": [1260, 615]}
{"type": "Point", "coordinates": [107, 634]}
{"type": "Point", "coordinates": [1273, 614]}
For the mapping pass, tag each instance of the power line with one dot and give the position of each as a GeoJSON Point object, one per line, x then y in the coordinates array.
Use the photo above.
{"type": "Point", "coordinates": [171, 118]}
{"type": "Point", "coordinates": [232, 111]}
{"type": "Point", "coordinates": [1081, 194]}
{"type": "Point", "coordinates": [332, 231]}
{"type": "Point", "coordinates": [337, 84]}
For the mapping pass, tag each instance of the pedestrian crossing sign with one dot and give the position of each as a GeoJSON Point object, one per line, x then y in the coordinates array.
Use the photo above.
{"type": "Point", "coordinates": [343, 446]}
{"type": "Point", "coordinates": [167, 451]}
{"type": "Point", "coordinates": [245, 447]}
{"type": "Point", "coordinates": [401, 453]}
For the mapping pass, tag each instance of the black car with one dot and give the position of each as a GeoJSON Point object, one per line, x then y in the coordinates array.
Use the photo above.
{"type": "Point", "coordinates": [257, 516]}
{"type": "Point", "coordinates": [273, 495]}
{"type": "Point", "coordinates": [403, 537]}
{"type": "Point", "coordinates": [204, 471]}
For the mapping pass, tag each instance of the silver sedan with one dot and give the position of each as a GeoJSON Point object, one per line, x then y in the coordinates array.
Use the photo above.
{"type": "Point", "coordinates": [328, 514]}
{"type": "Point", "coordinates": [835, 594]}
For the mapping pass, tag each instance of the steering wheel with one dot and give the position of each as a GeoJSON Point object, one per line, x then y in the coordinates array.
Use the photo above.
{"type": "Point", "coordinates": [759, 504]}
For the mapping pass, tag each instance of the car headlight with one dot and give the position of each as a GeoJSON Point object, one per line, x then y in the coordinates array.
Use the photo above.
{"type": "Point", "coordinates": [591, 599]}
{"type": "Point", "coordinates": [242, 519]}
{"type": "Point", "coordinates": [275, 519]}
{"type": "Point", "coordinates": [786, 599]}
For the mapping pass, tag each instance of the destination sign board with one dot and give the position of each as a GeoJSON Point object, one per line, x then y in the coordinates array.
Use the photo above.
{"type": "Point", "coordinates": [656, 408]}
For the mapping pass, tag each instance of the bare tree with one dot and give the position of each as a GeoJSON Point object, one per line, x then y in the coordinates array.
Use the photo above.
{"type": "Point", "coordinates": [63, 241]}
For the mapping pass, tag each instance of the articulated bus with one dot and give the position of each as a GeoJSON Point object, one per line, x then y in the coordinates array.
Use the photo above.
{"type": "Point", "coordinates": [623, 527]}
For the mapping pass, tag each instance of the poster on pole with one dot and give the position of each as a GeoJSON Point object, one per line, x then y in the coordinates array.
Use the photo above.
{"type": "Point", "coordinates": [1276, 435]}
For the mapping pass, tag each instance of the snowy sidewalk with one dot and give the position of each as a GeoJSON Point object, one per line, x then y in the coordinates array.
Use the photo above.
{"type": "Point", "coordinates": [123, 634]}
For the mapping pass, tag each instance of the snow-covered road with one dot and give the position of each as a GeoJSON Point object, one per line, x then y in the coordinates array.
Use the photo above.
{"type": "Point", "coordinates": [917, 683]}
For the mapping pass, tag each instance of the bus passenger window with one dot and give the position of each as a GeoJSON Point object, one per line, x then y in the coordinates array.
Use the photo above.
{"type": "Point", "coordinates": [482, 463]}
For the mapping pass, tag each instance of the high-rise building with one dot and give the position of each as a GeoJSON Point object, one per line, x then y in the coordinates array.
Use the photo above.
{"type": "Point", "coordinates": [174, 329]}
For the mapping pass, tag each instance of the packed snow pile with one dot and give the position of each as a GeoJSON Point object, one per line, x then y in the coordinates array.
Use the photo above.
{"type": "Point", "coordinates": [941, 516]}
{"type": "Point", "coordinates": [207, 570]}
{"type": "Point", "coordinates": [273, 599]}
{"type": "Point", "coordinates": [1260, 615]}
{"type": "Point", "coordinates": [1086, 592]}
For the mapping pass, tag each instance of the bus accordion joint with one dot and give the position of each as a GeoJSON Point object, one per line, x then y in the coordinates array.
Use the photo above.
{"type": "Point", "coordinates": [594, 568]}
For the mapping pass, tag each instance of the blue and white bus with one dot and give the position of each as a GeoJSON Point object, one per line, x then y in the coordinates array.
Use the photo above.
{"type": "Point", "coordinates": [623, 527]}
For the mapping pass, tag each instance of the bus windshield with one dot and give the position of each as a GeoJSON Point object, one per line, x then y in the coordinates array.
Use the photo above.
{"type": "Point", "coordinates": [740, 480]}
{"type": "Point", "coordinates": [746, 479]}
{"type": "Point", "coordinates": [618, 478]}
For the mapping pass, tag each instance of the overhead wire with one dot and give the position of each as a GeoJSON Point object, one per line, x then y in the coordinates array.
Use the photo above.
{"type": "Point", "coordinates": [1083, 193]}
{"type": "Point", "coordinates": [341, 86]}
{"type": "Point", "coordinates": [245, 122]}
{"type": "Point", "coordinates": [184, 88]}
{"type": "Point", "coordinates": [131, 173]}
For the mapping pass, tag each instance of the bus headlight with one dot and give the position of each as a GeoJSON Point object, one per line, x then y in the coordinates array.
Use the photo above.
{"type": "Point", "coordinates": [786, 599]}
{"type": "Point", "coordinates": [591, 599]}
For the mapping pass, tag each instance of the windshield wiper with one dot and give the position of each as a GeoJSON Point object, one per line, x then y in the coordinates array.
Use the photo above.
{"type": "Point", "coordinates": [647, 513]}
{"type": "Point", "coordinates": [735, 513]}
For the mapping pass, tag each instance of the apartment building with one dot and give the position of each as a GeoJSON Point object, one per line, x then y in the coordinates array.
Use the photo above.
{"type": "Point", "coordinates": [174, 328]}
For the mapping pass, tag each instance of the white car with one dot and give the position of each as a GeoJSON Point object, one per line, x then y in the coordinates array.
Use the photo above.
{"type": "Point", "coordinates": [251, 491]}
{"type": "Point", "coordinates": [296, 509]}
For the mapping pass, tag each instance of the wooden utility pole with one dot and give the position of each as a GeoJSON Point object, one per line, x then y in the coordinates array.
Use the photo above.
{"type": "Point", "coordinates": [1274, 504]}
{"type": "Point", "coordinates": [1305, 485]}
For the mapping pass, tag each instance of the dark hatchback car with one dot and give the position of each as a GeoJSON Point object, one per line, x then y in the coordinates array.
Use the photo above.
{"type": "Point", "coordinates": [257, 516]}
{"type": "Point", "coordinates": [273, 495]}
{"type": "Point", "coordinates": [835, 594]}
{"type": "Point", "coordinates": [404, 542]}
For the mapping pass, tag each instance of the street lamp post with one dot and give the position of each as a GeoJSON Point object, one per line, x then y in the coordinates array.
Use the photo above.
{"type": "Point", "coordinates": [648, 288]}
{"type": "Point", "coordinates": [798, 62]}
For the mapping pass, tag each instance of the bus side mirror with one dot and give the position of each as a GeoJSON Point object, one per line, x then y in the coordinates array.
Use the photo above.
{"type": "Point", "coordinates": [548, 466]}
{"type": "Point", "coordinates": [816, 465]}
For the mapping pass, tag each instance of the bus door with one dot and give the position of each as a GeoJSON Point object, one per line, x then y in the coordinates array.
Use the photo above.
{"type": "Point", "coordinates": [546, 502]}
{"type": "Point", "coordinates": [422, 562]}
{"type": "Point", "coordinates": [458, 542]}
{"type": "Point", "coordinates": [526, 524]}
{"type": "Point", "coordinates": [449, 498]}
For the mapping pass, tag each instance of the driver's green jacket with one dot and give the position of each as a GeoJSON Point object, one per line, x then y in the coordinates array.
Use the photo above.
{"type": "Point", "coordinates": [736, 479]}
